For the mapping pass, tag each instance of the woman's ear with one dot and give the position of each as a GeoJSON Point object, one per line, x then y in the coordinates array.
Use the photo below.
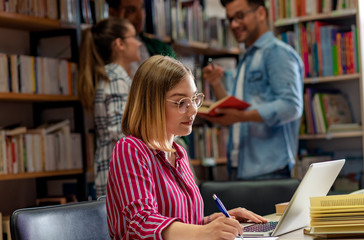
{"type": "Point", "coordinates": [119, 44]}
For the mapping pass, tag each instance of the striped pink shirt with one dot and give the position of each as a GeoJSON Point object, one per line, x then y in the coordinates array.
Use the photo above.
{"type": "Point", "coordinates": [145, 193]}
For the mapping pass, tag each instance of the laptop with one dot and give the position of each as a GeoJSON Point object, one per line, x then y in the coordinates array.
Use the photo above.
{"type": "Point", "coordinates": [316, 182]}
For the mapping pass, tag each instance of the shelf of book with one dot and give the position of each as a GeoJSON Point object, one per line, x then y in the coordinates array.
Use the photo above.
{"type": "Point", "coordinates": [200, 48]}
{"type": "Point", "coordinates": [218, 161]}
{"type": "Point", "coordinates": [340, 14]}
{"type": "Point", "coordinates": [39, 174]}
{"type": "Point", "coordinates": [332, 135]}
{"type": "Point", "coordinates": [31, 23]}
{"type": "Point", "coordinates": [328, 37]}
{"type": "Point", "coordinates": [23, 97]}
{"type": "Point", "coordinates": [38, 43]}
{"type": "Point", "coordinates": [347, 77]}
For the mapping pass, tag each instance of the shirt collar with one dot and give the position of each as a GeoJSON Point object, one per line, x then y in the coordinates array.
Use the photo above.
{"type": "Point", "coordinates": [263, 40]}
{"type": "Point", "coordinates": [178, 152]}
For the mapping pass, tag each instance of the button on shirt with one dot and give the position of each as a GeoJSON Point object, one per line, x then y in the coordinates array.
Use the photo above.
{"type": "Point", "coordinates": [145, 193]}
{"type": "Point", "coordinates": [273, 85]}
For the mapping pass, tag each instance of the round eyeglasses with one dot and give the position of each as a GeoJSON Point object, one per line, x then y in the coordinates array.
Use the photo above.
{"type": "Point", "coordinates": [185, 103]}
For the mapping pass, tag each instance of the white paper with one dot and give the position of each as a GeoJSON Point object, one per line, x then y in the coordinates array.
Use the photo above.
{"type": "Point", "coordinates": [258, 238]}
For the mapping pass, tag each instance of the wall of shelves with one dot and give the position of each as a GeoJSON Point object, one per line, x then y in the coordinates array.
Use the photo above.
{"type": "Point", "coordinates": [27, 109]}
{"type": "Point", "coordinates": [346, 143]}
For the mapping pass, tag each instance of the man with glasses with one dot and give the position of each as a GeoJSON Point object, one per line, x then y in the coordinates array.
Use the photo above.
{"type": "Point", "coordinates": [134, 11]}
{"type": "Point", "coordinates": [263, 139]}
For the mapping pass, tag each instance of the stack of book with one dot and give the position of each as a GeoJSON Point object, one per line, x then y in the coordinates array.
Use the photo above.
{"type": "Point", "coordinates": [341, 215]}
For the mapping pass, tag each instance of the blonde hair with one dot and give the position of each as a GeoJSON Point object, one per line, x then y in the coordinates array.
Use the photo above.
{"type": "Point", "coordinates": [96, 51]}
{"type": "Point", "coordinates": [144, 115]}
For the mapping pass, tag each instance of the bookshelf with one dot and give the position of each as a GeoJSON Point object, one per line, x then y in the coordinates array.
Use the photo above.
{"type": "Point", "coordinates": [23, 35]}
{"type": "Point", "coordinates": [307, 28]}
{"type": "Point", "coordinates": [198, 30]}
{"type": "Point", "coordinates": [23, 97]}
{"type": "Point", "coordinates": [39, 174]}
{"type": "Point", "coordinates": [29, 23]}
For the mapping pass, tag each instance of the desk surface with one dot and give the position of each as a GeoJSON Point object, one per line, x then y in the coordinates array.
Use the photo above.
{"type": "Point", "coordinates": [298, 234]}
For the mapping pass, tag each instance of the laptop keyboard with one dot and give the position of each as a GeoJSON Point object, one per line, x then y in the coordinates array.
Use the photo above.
{"type": "Point", "coordinates": [261, 227]}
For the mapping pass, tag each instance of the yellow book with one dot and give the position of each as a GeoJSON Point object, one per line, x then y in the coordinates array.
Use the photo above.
{"type": "Point", "coordinates": [333, 201]}
{"type": "Point", "coordinates": [337, 214]}
{"type": "Point", "coordinates": [280, 208]}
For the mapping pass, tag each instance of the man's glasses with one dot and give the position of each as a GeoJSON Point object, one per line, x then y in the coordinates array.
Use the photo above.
{"type": "Point", "coordinates": [239, 16]}
{"type": "Point", "coordinates": [185, 103]}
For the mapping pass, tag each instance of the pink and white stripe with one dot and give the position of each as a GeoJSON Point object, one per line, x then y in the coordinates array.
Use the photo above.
{"type": "Point", "coordinates": [145, 193]}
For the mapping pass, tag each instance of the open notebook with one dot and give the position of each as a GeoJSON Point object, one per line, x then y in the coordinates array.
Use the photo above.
{"type": "Point", "coordinates": [316, 182]}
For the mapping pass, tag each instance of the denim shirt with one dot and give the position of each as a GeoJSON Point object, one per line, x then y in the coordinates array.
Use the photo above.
{"type": "Point", "coordinates": [273, 85]}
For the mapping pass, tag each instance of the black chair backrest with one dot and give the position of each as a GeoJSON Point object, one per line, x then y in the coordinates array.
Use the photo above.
{"type": "Point", "coordinates": [257, 196]}
{"type": "Point", "coordinates": [74, 221]}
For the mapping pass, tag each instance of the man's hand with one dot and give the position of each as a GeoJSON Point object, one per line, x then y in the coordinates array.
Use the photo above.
{"type": "Point", "coordinates": [213, 74]}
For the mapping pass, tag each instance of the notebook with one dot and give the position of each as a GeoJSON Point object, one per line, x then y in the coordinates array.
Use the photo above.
{"type": "Point", "coordinates": [316, 182]}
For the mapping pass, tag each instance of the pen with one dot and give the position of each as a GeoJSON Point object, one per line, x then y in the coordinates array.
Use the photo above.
{"type": "Point", "coordinates": [222, 208]}
{"type": "Point", "coordinates": [210, 62]}
{"type": "Point", "coordinates": [220, 205]}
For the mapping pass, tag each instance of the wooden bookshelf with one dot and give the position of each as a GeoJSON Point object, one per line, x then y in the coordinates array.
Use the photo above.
{"type": "Point", "coordinates": [332, 135]}
{"type": "Point", "coordinates": [200, 48]}
{"type": "Point", "coordinates": [346, 77]}
{"type": "Point", "coordinates": [218, 161]}
{"type": "Point", "coordinates": [23, 97]}
{"type": "Point", "coordinates": [348, 13]}
{"type": "Point", "coordinates": [39, 174]}
{"type": "Point", "coordinates": [30, 23]}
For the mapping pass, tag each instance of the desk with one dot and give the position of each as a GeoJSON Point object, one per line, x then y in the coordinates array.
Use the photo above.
{"type": "Point", "coordinates": [298, 234]}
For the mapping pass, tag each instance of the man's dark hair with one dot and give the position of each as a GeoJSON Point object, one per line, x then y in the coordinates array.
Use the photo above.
{"type": "Point", "coordinates": [255, 3]}
{"type": "Point", "coordinates": [115, 4]}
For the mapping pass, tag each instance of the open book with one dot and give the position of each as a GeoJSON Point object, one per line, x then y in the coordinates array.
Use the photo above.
{"type": "Point", "coordinates": [226, 102]}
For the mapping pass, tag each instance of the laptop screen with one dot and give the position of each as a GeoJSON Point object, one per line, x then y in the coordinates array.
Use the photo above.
{"type": "Point", "coordinates": [316, 182]}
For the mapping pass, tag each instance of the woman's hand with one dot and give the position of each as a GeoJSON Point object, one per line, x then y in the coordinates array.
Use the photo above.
{"type": "Point", "coordinates": [220, 227]}
{"type": "Point", "coordinates": [244, 215]}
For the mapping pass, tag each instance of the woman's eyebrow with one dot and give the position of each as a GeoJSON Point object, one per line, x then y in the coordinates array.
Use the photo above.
{"type": "Point", "coordinates": [182, 94]}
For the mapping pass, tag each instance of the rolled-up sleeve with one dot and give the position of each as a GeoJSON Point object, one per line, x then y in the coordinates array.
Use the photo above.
{"type": "Point", "coordinates": [286, 81]}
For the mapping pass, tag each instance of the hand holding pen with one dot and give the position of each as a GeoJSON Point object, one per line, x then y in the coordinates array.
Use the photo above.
{"type": "Point", "coordinates": [222, 208]}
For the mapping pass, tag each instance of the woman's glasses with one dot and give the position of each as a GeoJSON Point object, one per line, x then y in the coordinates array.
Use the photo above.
{"type": "Point", "coordinates": [185, 103]}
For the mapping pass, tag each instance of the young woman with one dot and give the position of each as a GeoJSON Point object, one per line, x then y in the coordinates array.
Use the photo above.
{"type": "Point", "coordinates": [151, 193]}
{"type": "Point", "coordinates": [107, 50]}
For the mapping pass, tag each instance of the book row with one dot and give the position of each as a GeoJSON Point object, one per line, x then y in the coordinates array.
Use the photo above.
{"type": "Point", "coordinates": [282, 9]}
{"type": "Point", "coordinates": [64, 10]}
{"type": "Point", "coordinates": [38, 75]}
{"type": "Point", "coordinates": [208, 143]}
{"type": "Point", "coordinates": [91, 11]}
{"type": "Point", "coordinates": [327, 111]}
{"type": "Point", "coordinates": [189, 22]}
{"type": "Point", "coordinates": [46, 148]}
{"type": "Point", "coordinates": [326, 49]}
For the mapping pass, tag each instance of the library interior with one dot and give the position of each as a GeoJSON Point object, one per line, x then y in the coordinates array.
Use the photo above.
{"type": "Point", "coordinates": [53, 161]}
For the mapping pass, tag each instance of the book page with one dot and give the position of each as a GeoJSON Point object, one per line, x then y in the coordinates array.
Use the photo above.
{"type": "Point", "coordinates": [338, 200]}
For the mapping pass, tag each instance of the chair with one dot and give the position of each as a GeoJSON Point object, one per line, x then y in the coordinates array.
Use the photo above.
{"type": "Point", "coordinates": [258, 196]}
{"type": "Point", "coordinates": [74, 221]}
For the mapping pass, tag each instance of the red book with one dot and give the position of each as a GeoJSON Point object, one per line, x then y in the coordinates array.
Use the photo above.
{"type": "Point", "coordinates": [226, 102]}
